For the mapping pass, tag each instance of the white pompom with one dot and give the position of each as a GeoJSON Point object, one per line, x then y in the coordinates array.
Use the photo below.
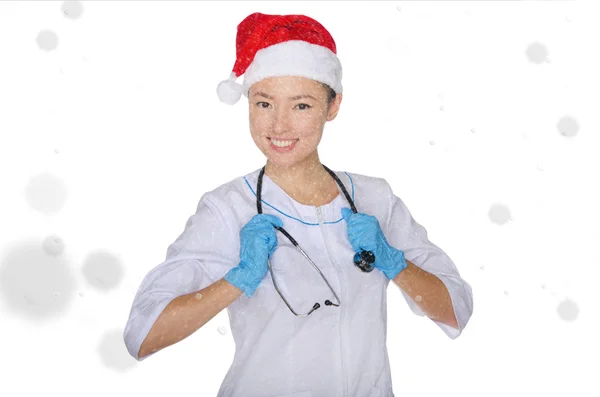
{"type": "Point", "coordinates": [229, 91]}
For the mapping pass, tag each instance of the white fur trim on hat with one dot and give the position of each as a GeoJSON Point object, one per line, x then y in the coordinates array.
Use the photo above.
{"type": "Point", "coordinates": [295, 58]}
{"type": "Point", "coordinates": [229, 91]}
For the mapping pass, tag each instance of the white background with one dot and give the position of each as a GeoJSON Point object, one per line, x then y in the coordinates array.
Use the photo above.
{"type": "Point", "coordinates": [483, 116]}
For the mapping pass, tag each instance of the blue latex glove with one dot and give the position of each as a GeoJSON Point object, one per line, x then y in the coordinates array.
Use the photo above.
{"type": "Point", "coordinates": [257, 242]}
{"type": "Point", "coordinates": [365, 234]}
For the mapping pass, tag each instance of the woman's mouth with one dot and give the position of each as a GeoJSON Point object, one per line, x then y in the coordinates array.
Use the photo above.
{"type": "Point", "coordinates": [282, 145]}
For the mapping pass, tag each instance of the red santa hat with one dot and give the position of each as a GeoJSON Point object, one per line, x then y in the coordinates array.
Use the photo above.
{"type": "Point", "coordinates": [281, 45]}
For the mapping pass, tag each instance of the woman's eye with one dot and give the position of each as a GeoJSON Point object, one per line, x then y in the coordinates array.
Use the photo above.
{"type": "Point", "coordinates": [265, 105]}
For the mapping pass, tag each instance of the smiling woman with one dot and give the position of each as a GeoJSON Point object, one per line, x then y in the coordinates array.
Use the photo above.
{"type": "Point", "coordinates": [287, 117]}
{"type": "Point", "coordinates": [231, 254]}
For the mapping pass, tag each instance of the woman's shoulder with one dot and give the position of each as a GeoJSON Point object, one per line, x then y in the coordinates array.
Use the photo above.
{"type": "Point", "coordinates": [232, 189]}
{"type": "Point", "coordinates": [237, 184]}
{"type": "Point", "coordinates": [365, 181]}
{"type": "Point", "coordinates": [371, 194]}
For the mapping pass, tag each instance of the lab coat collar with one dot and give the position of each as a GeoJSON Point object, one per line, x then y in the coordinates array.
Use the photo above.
{"type": "Point", "coordinates": [277, 202]}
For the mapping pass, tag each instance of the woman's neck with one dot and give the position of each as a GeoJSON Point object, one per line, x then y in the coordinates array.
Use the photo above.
{"type": "Point", "coordinates": [307, 182]}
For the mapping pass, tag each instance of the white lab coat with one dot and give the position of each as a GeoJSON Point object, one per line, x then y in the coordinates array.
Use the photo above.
{"type": "Point", "coordinates": [334, 352]}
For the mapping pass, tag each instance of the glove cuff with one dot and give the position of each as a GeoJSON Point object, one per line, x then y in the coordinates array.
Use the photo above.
{"type": "Point", "coordinates": [243, 280]}
{"type": "Point", "coordinates": [399, 264]}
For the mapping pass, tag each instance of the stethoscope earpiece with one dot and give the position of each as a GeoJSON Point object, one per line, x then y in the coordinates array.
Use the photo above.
{"type": "Point", "coordinates": [364, 261]}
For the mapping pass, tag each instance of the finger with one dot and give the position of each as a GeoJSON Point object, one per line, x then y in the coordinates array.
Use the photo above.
{"type": "Point", "coordinates": [354, 243]}
{"type": "Point", "coordinates": [346, 212]}
{"type": "Point", "coordinates": [271, 244]}
{"type": "Point", "coordinates": [264, 219]}
{"type": "Point", "coordinates": [253, 223]}
{"type": "Point", "coordinates": [368, 247]}
{"type": "Point", "coordinates": [273, 220]}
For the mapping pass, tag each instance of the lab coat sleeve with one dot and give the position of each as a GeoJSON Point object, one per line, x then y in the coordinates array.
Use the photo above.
{"type": "Point", "coordinates": [404, 233]}
{"type": "Point", "coordinates": [200, 256]}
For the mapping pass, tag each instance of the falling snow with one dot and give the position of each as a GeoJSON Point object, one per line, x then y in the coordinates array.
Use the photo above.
{"type": "Point", "coordinates": [536, 52]}
{"type": "Point", "coordinates": [103, 270]}
{"type": "Point", "coordinates": [53, 245]}
{"type": "Point", "coordinates": [36, 285]}
{"type": "Point", "coordinates": [499, 214]}
{"type": "Point", "coordinates": [50, 292]}
{"type": "Point", "coordinates": [72, 9]}
{"type": "Point", "coordinates": [47, 40]}
{"type": "Point", "coordinates": [568, 127]}
{"type": "Point", "coordinates": [46, 193]}
{"type": "Point", "coordinates": [568, 310]}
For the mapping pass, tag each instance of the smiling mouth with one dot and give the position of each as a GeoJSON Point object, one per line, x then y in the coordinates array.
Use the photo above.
{"type": "Point", "coordinates": [282, 143]}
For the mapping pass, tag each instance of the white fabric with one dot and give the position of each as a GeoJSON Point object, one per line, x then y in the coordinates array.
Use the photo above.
{"type": "Point", "coordinates": [336, 351]}
{"type": "Point", "coordinates": [295, 58]}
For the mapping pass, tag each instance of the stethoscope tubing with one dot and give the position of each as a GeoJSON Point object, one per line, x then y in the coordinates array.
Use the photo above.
{"type": "Point", "coordinates": [363, 267]}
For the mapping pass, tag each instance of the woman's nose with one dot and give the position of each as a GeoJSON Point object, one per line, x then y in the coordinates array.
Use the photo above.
{"type": "Point", "coordinates": [281, 121]}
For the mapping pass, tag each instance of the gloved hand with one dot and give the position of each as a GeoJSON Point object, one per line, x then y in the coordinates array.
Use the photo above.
{"type": "Point", "coordinates": [365, 233]}
{"type": "Point", "coordinates": [257, 242]}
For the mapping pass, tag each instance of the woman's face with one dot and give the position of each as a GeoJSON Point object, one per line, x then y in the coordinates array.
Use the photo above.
{"type": "Point", "coordinates": [288, 109]}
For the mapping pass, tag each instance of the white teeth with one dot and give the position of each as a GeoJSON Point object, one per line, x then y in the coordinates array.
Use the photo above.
{"type": "Point", "coordinates": [282, 143]}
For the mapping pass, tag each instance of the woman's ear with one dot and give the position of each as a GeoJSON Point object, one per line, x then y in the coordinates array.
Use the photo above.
{"type": "Point", "coordinates": [334, 108]}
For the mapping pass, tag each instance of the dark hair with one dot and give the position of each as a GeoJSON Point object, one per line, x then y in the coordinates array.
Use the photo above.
{"type": "Point", "coordinates": [330, 94]}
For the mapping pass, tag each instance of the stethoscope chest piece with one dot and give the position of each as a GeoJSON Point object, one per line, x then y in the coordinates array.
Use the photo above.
{"type": "Point", "coordinates": [364, 261]}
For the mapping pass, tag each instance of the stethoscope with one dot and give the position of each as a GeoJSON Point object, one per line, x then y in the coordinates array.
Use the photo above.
{"type": "Point", "coordinates": [363, 260]}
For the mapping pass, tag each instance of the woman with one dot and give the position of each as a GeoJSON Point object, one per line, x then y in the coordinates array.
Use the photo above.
{"type": "Point", "coordinates": [298, 331]}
